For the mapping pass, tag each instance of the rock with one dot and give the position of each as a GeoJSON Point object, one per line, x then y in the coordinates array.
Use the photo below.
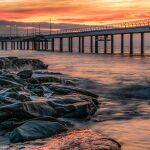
{"type": "Point", "coordinates": [2, 65]}
{"type": "Point", "coordinates": [35, 130]}
{"type": "Point", "coordinates": [9, 83]}
{"type": "Point", "coordinates": [29, 109]}
{"type": "Point", "coordinates": [14, 123]}
{"type": "Point", "coordinates": [14, 62]}
{"type": "Point", "coordinates": [37, 90]}
{"type": "Point", "coordinates": [67, 100]}
{"type": "Point", "coordinates": [11, 94]}
{"type": "Point", "coordinates": [47, 79]}
{"type": "Point", "coordinates": [66, 90]}
{"type": "Point", "coordinates": [32, 81]}
{"type": "Point", "coordinates": [25, 74]}
{"type": "Point", "coordinates": [82, 110]}
{"type": "Point", "coordinates": [78, 140]}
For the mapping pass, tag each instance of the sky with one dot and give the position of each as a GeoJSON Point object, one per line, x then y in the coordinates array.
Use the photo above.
{"type": "Point", "coordinates": [66, 13]}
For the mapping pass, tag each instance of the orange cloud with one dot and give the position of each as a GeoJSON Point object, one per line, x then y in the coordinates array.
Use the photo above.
{"type": "Point", "coordinates": [73, 11]}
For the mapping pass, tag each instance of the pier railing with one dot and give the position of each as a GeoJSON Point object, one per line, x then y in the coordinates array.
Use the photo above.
{"type": "Point", "coordinates": [123, 25]}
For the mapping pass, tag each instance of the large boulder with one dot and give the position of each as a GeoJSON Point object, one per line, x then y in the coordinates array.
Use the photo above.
{"type": "Point", "coordinates": [77, 140]}
{"type": "Point", "coordinates": [34, 63]}
{"type": "Point", "coordinates": [35, 130]}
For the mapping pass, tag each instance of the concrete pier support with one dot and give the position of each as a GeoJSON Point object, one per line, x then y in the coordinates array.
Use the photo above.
{"type": "Point", "coordinates": [17, 45]}
{"type": "Point", "coordinates": [24, 45]}
{"type": "Point", "coordinates": [61, 44]}
{"type": "Point", "coordinates": [122, 43]}
{"type": "Point", "coordinates": [96, 44]}
{"type": "Point", "coordinates": [142, 44]}
{"type": "Point", "coordinates": [32, 43]}
{"type": "Point", "coordinates": [46, 45]}
{"type": "Point", "coordinates": [70, 44]}
{"type": "Point", "coordinates": [5, 45]}
{"type": "Point", "coordinates": [83, 48]}
{"type": "Point", "coordinates": [11, 45]}
{"type": "Point", "coordinates": [14, 45]}
{"type": "Point", "coordinates": [91, 44]}
{"type": "Point", "coordinates": [20, 45]}
{"type": "Point", "coordinates": [28, 45]}
{"type": "Point", "coordinates": [53, 45]}
{"type": "Point", "coordinates": [112, 44]}
{"type": "Point", "coordinates": [79, 44]}
{"type": "Point", "coordinates": [2, 45]}
{"type": "Point", "coordinates": [105, 44]}
{"type": "Point", "coordinates": [131, 43]}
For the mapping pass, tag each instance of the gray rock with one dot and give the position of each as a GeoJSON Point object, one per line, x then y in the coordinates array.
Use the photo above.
{"type": "Point", "coordinates": [35, 130]}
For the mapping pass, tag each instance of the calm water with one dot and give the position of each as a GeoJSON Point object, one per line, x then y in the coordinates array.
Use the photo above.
{"type": "Point", "coordinates": [123, 84]}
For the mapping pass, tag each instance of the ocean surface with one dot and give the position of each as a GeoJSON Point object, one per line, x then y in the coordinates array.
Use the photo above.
{"type": "Point", "coordinates": [123, 84]}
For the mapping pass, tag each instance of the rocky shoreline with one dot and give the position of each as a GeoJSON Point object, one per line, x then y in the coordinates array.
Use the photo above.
{"type": "Point", "coordinates": [36, 104]}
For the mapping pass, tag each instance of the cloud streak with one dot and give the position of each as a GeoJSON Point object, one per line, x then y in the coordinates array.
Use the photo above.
{"type": "Point", "coordinates": [73, 11]}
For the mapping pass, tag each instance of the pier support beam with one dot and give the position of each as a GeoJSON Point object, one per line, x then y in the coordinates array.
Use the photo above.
{"type": "Point", "coordinates": [17, 45]}
{"type": "Point", "coordinates": [24, 45]}
{"type": "Point", "coordinates": [70, 44]}
{"type": "Point", "coordinates": [14, 45]}
{"type": "Point", "coordinates": [11, 45]}
{"type": "Point", "coordinates": [79, 44]}
{"type": "Point", "coordinates": [82, 44]}
{"type": "Point", "coordinates": [28, 45]}
{"type": "Point", "coordinates": [20, 45]}
{"type": "Point", "coordinates": [142, 44]}
{"type": "Point", "coordinates": [61, 44]}
{"type": "Point", "coordinates": [53, 45]}
{"type": "Point", "coordinates": [131, 44]}
{"type": "Point", "coordinates": [46, 45]}
{"type": "Point", "coordinates": [112, 44]}
{"type": "Point", "coordinates": [96, 44]}
{"type": "Point", "coordinates": [122, 43]}
{"type": "Point", "coordinates": [2, 45]}
{"type": "Point", "coordinates": [105, 44]}
{"type": "Point", "coordinates": [91, 39]}
{"type": "Point", "coordinates": [5, 45]}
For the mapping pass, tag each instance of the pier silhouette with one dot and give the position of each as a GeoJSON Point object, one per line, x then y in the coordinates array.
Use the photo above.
{"type": "Point", "coordinates": [103, 33]}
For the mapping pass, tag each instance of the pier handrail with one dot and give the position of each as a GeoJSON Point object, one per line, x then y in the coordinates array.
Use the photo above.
{"type": "Point", "coordinates": [123, 25]}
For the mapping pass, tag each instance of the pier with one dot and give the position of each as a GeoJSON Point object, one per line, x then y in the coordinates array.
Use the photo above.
{"type": "Point", "coordinates": [96, 34]}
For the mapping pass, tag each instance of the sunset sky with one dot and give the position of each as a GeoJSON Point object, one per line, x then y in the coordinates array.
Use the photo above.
{"type": "Point", "coordinates": [74, 11]}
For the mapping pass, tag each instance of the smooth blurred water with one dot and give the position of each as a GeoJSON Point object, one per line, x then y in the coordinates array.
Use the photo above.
{"type": "Point", "coordinates": [123, 84]}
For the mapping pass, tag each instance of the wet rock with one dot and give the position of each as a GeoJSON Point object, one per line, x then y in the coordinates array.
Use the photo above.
{"type": "Point", "coordinates": [11, 94]}
{"type": "Point", "coordinates": [37, 90]}
{"type": "Point", "coordinates": [25, 74]}
{"type": "Point", "coordinates": [67, 100]}
{"type": "Point", "coordinates": [82, 110]}
{"type": "Point", "coordinates": [14, 123]}
{"type": "Point", "coordinates": [68, 90]}
{"type": "Point", "coordinates": [35, 130]}
{"type": "Point", "coordinates": [2, 65]}
{"type": "Point", "coordinates": [30, 109]}
{"type": "Point", "coordinates": [14, 62]}
{"type": "Point", "coordinates": [9, 83]}
{"type": "Point", "coordinates": [48, 79]}
{"type": "Point", "coordinates": [32, 81]}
